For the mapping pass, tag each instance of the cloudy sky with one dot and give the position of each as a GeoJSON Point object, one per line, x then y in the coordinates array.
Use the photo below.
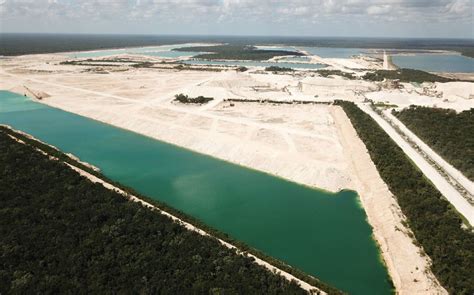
{"type": "Point", "coordinates": [372, 18]}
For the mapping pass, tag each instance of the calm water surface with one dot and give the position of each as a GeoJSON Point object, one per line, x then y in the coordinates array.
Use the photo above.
{"type": "Point", "coordinates": [436, 63]}
{"type": "Point", "coordinates": [324, 234]}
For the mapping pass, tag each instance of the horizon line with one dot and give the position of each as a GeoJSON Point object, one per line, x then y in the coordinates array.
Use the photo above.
{"type": "Point", "coordinates": [236, 35]}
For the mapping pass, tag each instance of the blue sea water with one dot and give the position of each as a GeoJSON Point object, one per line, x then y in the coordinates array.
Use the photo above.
{"type": "Point", "coordinates": [436, 63]}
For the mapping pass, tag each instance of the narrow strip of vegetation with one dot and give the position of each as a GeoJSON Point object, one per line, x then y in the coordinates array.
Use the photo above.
{"type": "Point", "coordinates": [405, 75]}
{"type": "Point", "coordinates": [109, 63]}
{"type": "Point", "coordinates": [242, 246]}
{"type": "Point", "coordinates": [63, 233]}
{"type": "Point", "coordinates": [182, 98]}
{"type": "Point", "coordinates": [182, 67]}
{"type": "Point", "coordinates": [97, 63]}
{"type": "Point", "coordinates": [90, 60]}
{"type": "Point", "coordinates": [145, 64]}
{"type": "Point", "coordinates": [244, 100]}
{"type": "Point", "coordinates": [276, 69]}
{"type": "Point", "coordinates": [236, 52]}
{"type": "Point", "coordinates": [448, 133]}
{"type": "Point", "coordinates": [385, 105]}
{"type": "Point", "coordinates": [436, 225]}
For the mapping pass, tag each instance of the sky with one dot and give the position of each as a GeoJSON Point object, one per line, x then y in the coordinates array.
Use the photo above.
{"type": "Point", "coordinates": [341, 18]}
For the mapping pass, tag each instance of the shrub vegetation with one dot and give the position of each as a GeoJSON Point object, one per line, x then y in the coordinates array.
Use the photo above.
{"type": "Point", "coordinates": [326, 73]}
{"type": "Point", "coordinates": [278, 69]}
{"type": "Point", "coordinates": [182, 98]}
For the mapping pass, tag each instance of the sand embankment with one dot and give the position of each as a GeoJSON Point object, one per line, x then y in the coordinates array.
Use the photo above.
{"type": "Point", "coordinates": [290, 141]}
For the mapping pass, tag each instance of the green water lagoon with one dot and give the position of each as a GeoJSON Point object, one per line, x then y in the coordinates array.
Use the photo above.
{"type": "Point", "coordinates": [323, 234]}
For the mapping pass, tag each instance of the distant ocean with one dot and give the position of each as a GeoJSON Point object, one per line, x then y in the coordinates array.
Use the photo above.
{"type": "Point", "coordinates": [19, 44]}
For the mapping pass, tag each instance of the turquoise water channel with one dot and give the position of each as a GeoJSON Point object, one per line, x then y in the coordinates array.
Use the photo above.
{"type": "Point", "coordinates": [323, 234]}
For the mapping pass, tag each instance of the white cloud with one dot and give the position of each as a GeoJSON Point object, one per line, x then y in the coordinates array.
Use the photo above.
{"type": "Point", "coordinates": [459, 6]}
{"type": "Point", "coordinates": [201, 12]}
{"type": "Point", "coordinates": [241, 8]}
{"type": "Point", "coordinates": [379, 9]}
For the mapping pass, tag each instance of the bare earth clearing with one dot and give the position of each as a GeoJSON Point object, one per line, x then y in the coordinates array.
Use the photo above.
{"type": "Point", "coordinates": [311, 144]}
